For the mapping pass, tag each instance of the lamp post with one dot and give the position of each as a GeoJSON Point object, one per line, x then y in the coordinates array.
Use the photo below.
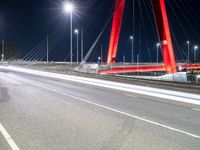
{"type": "Point", "coordinates": [138, 60]}
{"type": "Point", "coordinates": [124, 61]}
{"type": "Point", "coordinates": [132, 56]}
{"type": "Point", "coordinates": [101, 52]}
{"type": "Point", "coordinates": [76, 31]}
{"type": "Point", "coordinates": [3, 51]}
{"type": "Point", "coordinates": [99, 59]}
{"type": "Point", "coordinates": [157, 55]}
{"type": "Point", "coordinates": [82, 43]}
{"type": "Point", "coordinates": [47, 49]}
{"type": "Point", "coordinates": [69, 8]}
{"type": "Point", "coordinates": [188, 44]}
{"type": "Point", "coordinates": [195, 52]}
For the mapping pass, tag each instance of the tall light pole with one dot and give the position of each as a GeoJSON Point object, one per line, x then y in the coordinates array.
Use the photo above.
{"type": "Point", "coordinates": [82, 43]}
{"type": "Point", "coordinates": [77, 33]}
{"type": "Point", "coordinates": [138, 60]}
{"type": "Point", "coordinates": [195, 52]}
{"type": "Point", "coordinates": [188, 46]}
{"type": "Point", "coordinates": [101, 52]}
{"type": "Point", "coordinates": [69, 8]}
{"type": "Point", "coordinates": [157, 54]}
{"type": "Point", "coordinates": [124, 59]}
{"type": "Point", "coordinates": [132, 55]}
{"type": "Point", "coordinates": [47, 49]}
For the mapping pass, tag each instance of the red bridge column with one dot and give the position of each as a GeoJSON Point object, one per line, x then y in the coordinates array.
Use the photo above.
{"type": "Point", "coordinates": [116, 27]}
{"type": "Point", "coordinates": [165, 35]}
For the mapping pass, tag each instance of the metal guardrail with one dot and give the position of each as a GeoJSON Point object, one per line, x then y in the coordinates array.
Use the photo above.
{"type": "Point", "coordinates": [179, 77]}
{"type": "Point", "coordinates": [194, 78]}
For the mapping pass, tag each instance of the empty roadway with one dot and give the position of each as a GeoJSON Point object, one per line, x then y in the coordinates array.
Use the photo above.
{"type": "Point", "coordinates": [47, 113]}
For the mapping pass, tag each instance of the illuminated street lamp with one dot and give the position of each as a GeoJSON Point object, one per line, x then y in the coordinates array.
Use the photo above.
{"type": "Point", "coordinates": [99, 59]}
{"type": "Point", "coordinates": [157, 45]}
{"type": "Point", "coordinates": [188, 44]}
{"type": "Point", "coordinates": [132, 40]}
{"type": "Point", "coordinates": [195, 52]}
{"type": "Point", "coordinates": [2, 55]}
{"type": "Point", "coordinates": [77, 33]}
{"type": "Point", "coordinates": [69, 8]}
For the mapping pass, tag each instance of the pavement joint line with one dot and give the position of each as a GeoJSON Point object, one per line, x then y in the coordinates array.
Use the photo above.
{"type": "Point", "coordinates": [155, 92]}
{"type": "Point", "coordinates": [8, 138]}
{"type": "Point", "coordinates": [116, 111]}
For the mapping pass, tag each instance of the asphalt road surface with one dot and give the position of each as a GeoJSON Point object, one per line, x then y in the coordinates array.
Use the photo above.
{"type": "Point", "coordinates": [43, 113]}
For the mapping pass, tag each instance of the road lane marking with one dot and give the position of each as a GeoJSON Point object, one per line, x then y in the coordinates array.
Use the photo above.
{"type": "Point", "coordinates": [115, 110]}
{"type": "Point", "coordinates": [8, 138]}
{"type": "Point", "coordinates": [154, 92]}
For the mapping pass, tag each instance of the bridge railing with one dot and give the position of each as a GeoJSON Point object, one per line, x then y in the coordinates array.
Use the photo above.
{"type": "Point", "coordinates": [182, 77]}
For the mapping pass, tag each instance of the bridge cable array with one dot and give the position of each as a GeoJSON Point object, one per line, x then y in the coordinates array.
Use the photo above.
{"type": "Point", "coordinates": [39, 52]}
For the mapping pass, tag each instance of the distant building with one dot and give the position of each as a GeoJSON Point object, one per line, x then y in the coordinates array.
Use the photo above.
{"type": "Point", "coordinates": [10, 51]}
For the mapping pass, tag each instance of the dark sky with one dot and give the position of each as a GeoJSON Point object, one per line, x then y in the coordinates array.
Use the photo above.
{"type": "Point", "coordinates": [26, 23]}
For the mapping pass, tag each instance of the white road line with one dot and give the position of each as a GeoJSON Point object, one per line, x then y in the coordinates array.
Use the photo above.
{"type": "Point", "coordinates": [155, 92]}
{"type": "Point", "coordinates": [8, 138]}
{"type": "Point", "coordinates": [116, 111]}
{"type": "Point", "coordinates": [196, 109]}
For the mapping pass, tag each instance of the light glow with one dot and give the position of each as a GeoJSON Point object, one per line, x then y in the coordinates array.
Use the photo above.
{"type": "Point", "coordinates": [158, 44]}
{"type": "Point", "coordinates": [68, 7]}
{"type": "Point", "coordinates": [76, 31]}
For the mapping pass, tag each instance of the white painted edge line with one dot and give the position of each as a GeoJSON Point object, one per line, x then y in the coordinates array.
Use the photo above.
{"type": "Point", "coordinates": [115, 110]}
{"type": "Point", "coordinates": [8, 138]}
{"type": "Point", "coordinates": [160, 93]}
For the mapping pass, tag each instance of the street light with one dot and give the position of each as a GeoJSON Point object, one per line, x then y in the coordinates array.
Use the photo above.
{"type": "Point", "coordinates": [2, 55]}
{"type": "Point", "coordinates": [47, 49]}
{"type": "Point", "coordinates": [132, 38]}
{"type": "Point", "coordinates": [188, 43]}
{"type": "Point", "coordinates": [77, 33]}
{"type": "Point", "coordinates": [69, 8]}
{"type": "Point", "coordinates": [99, 59]}
{"type": "Point", "coordinates": [82, 43]}
{"type": "Point", "coordinates": [195, 51]}
{"type": "Point", "coordinates": [157, 45]}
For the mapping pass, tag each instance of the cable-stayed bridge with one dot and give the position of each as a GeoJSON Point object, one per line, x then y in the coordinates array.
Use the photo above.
{"type": "Point", "coordinates": [164, 33]}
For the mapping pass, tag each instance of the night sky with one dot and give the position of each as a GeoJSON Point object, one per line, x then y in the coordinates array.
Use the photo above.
{"type": "Point", "coordinates": [26, 23]}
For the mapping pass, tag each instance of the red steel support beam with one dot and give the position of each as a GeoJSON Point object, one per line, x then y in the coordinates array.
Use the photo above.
{"type": "Point", "coordinates": [133, 69]}
{"type": "Point", "coordinates": [165, 35]}
{"type": "Point", "coordinates": [115, 33]}
{"type": "Point", "coordinates": [145, 69]}
{"type": "Point", "coordinates": [191, 66]}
